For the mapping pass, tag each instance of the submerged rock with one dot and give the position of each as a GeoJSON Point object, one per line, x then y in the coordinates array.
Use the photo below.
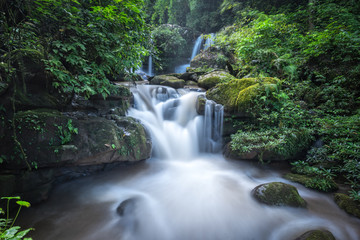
{"type": "Point", "coordinates": [278, 194]}
{"type": "Point", "coordinates": [211, 79]}
{"type": "Point", "coordinates": [316, 235]}
{"type": "Point", "coordinates": [347, 204]}
{"type": "Point", "coordinates": [127, 206]}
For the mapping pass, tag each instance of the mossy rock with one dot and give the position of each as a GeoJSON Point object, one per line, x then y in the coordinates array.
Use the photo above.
{"type": "Point", "coordinates": [347, 204]}
{"type": "Point", "coordinates": [313, 182]}
{"type": "Point", "coordinates": [47, 141]}
{"type": "Point", "coordinates": [168, 80]}
{"type": "Point", "coordinates": [200, 104]}
{"type": "Point", "coordinates": [317, 235]}
{"type": "Point", "coordinates": [278, 194]}
{"type": "Point", "coordinates": [211, 79]}
{"type": "Point", "coordinates": [212, 57]}
{"type": "Point", "coordinates": [238, 95]}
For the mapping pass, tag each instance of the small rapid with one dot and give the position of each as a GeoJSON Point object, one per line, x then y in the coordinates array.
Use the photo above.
{"type": "Point", "coordinates": [187, 190]}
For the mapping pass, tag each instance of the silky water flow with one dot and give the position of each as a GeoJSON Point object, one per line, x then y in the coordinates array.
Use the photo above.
{"type": "Point", "coordinates": [187, 190]}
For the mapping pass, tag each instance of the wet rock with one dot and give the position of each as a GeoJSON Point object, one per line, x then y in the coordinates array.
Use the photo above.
{"type": "Point", "coordinates": [189, 76]}
{"type": "Point", "coordinates": [347, 204]}
{"type": "Point", "coordinates": [168, 80]}
{"type": "Point", "coordinates": [211, 79]}
{"type": "Point", "coordinates": [118, 102]}
{"type": "Point", "coordinates": [127, 206]}
{"type": "Point", "coordinates": [210, 58]}
{"type": "Point", "coordinates": [316, 235]}
{"type": "Point", "coordinates": [200, 104]}
{"type": "Point", "coordinates": [50, 140]}
{"type": "Point", "coordinates": [278, 194]}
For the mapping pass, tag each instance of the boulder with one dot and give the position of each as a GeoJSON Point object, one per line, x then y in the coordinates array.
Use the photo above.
{"type": "Point", "coordinates": [117, 102]}
{"type": "Point", "coordinates": [52, 139]}
{"type": "Point", "coordinates": [200, 104]}
{"type": "Point", "coordinates": [168, 80]}
{"type": "Point", "coordinates": [316, 235]}
{"type": "Point", "coordinates": [127, 206]}
{"type": "Point", "coordinates": [190, 76]}
{"type": "Point", "coordinates": [238, 95]}
{"type": "Point", "coordinates": [212, 57]}
{"type": "Point", "coordinates": [211, 79]}
{"type": "Point", "coordinates": [347, 204]}
{"type": "Point", "coordinates": [278, 194]}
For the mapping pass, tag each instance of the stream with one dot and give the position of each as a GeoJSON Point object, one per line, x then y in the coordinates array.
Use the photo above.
{"type": "Point", "coordinates": [186, 191]}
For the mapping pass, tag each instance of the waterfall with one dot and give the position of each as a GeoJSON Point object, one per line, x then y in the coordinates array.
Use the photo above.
{"type": "Point", "coordinates": [213, 126]}
{"type": "Point", "coordinates": [197, 46]}
{"type": "Point", "coordinates": [209, 41]}
{"type": "Point", "coordinates": [171, 118]}
{"type": "Point", "coordinates": [150, 67]}
{"type": "Point", "coordinates": [184, 191]}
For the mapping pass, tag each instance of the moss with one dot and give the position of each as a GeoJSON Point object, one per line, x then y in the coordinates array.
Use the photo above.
{"type": "Point", "coordinates": [347, 204]}
{"type": "Point", "coordinates": [317, 235]}
{"type": "Point", "coordinates": [213, 78]}
{"type": "Point", "coordinates": [237, 95]}
{"type": "Point", "coordinates": [313, 182]}
{"type": "Point", "coordinates": [278, 194]}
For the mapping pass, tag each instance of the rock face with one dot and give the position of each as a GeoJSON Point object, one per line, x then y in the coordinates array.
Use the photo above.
{"type": "Point", "coordinates": [316, 235]}
{"type": "Point", "coordinates": [237, 95]}
{"type": "Point", "coordinates": [168, 80]}
{"type": "Point", "coordinates": [347, 204]}
{"type": "Point", "coordinates": [210, 58]}
{"type": "Point", "coordinates": [278, 194]}
{"type": "Point", "coordinates": [211, 79]}
{"type": "Point", "coordinates": [52, 139]}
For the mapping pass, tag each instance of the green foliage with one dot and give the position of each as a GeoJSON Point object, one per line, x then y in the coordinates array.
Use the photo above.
{"type": "Point", "coordinates": [169, 43]}
{"type": "Point", "coordinates": [201, 15]}
{"type": "Point", "coordinates": [66, 132]}
{"type": "Point", "coordinates": [284, 142]}
{"type": "Point", "coordinates": [7, 229]}
{"type": "Point", "coordinates": [84, 43]}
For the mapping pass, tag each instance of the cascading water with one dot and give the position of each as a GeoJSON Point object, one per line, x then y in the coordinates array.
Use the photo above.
{"type": "Point", "coordinates": [184, 192]}
{"type": "Point", "coordinates": [197, 46]}
{"type": "Point", "coordinates": [150, 67]}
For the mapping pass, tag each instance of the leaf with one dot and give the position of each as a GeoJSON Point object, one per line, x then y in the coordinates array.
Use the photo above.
{"type": "Point", "coordinates": [23, 203]}
{"type": "Point", "coordinates": [10, 198]}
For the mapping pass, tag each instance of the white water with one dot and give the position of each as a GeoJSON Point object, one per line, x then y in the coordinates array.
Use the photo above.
{"type": "Point", "coordinates": [183, 192]}
{"type": "Point", "coordinates": [150, 67]}
{"type": "Point", "coordinates": [197, 46]}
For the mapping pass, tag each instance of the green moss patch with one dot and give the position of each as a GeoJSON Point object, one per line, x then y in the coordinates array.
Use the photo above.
{"type": "Point", "coordinates": [278, 194]}
{"type": "Point", "coordinates": [317, 235]}
{"type": "Point", "coordinates": [347, 204]}
{"type": "Point", "coordinates": [313, 182]}
{"type": "Point", "coordinates": [238, 95]}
